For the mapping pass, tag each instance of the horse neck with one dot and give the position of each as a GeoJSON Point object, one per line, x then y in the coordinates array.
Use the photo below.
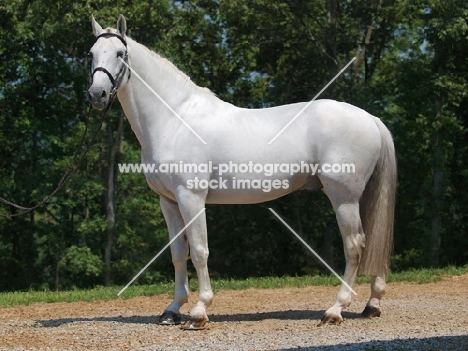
{"type": "Point", "coordinates": [143, 108]}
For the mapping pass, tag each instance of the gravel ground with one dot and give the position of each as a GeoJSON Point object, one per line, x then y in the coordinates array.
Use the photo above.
{"type": "Point", "coordinates": [415, 317]}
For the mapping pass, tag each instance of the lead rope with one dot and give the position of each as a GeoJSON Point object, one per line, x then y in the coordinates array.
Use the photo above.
{"type": "Point", "coordinates": [72, 166]}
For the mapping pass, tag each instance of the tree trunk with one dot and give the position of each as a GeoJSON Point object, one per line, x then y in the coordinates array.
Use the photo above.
{"type": "Point", "coordinates": [331, 43]}
{"type": "Point", "coordinates": [58, 256]}
{"type": "Point", "coordinates": [364, 41]}
{"type": "Point", "coordinates": [440, 59]}
{"type": "Point", "coordinates": [436, 194]}
{"type": "Point", "coordinates": [110, 198]}
{"type": "Point", "coordinates": [331, 32]}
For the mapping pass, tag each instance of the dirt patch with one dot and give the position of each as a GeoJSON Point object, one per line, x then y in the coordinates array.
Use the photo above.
{"type": "Point", "coordinates": [415, 316]}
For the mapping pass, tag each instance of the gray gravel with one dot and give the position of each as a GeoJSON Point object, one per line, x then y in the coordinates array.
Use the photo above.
{"type": "Point", "coordinates": [415, 317]}
{"type": "Point", "coordinates": [406, 332]}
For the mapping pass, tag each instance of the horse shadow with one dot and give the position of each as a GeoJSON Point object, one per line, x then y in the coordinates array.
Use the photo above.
{"type": "Point", "coordinates": [291, 315]}
{"type": "Point", "coordinates": [294, 315]}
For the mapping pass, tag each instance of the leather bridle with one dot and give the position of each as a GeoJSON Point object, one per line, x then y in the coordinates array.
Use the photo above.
{"type": "Point", "coordinates": [117, 80]}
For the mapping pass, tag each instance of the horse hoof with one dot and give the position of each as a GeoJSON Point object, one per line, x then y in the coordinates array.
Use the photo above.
{"type": "Point", "coordinates": [371, 312]}
{"type": "Point", "coordinates": [196, 324]}
{"type": "Point", "coordinates": [169, 318]}
{"type": "Point", "coordinates": [329, 318]}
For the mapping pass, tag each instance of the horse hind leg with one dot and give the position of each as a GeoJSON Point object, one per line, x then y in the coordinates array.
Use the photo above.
{"type": "Point", "coordinates": [353, 243]}
{"type": "Point", "coordinates": [349, 221]}
{"type": "Point", "coordinates": [373, 308]}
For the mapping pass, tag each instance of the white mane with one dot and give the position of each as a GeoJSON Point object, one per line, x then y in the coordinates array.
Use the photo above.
{"type": "Point", "coordinates": [171, 68]}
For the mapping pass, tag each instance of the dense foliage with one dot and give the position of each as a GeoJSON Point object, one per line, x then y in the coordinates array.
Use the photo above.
{"type": "Point", "coordinates": [103, 226]}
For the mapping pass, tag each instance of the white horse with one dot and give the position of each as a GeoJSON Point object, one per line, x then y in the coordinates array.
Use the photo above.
{"type": "Point", "coordinates": [156, 96]}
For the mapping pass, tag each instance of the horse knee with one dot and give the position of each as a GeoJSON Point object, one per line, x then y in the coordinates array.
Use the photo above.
{"type": "Point", "coordinates": [199, 256]}
{"type": "Point", "coordinates": [179, 255]}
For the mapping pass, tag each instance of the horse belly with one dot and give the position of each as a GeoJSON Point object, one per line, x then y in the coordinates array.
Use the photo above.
{"type": "Point", "coordinates": [251, 190]}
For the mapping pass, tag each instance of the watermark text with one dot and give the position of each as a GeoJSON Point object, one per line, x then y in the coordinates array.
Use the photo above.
{"type": "Point", "coordinates": [233, 168]}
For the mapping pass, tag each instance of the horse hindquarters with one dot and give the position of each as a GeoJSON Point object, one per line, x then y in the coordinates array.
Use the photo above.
{"type": "Point", "coordinates": [364, 213]}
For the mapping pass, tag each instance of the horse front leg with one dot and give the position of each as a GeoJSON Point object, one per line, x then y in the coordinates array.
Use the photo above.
{"type": "Point", "coordinates": [190, 205]}
{"type": "Point", "coordinates": [179, 252]}
{"type": "Point", "coordinates": [349, 221]}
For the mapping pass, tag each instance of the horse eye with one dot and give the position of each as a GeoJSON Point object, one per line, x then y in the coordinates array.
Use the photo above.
{"type": "Point", "coordinates": [120, 54]}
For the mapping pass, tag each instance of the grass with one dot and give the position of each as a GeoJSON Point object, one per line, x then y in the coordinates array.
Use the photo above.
{"type": "Point", "coordinates": [421, 276]}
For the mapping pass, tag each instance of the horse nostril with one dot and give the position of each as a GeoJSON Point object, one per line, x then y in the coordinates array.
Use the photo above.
{"type": "Point", "coordinates": [103, 94]}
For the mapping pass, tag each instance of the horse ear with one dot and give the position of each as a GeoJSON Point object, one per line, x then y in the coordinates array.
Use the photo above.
{"type": "Point", "coordinates": [97, 29]}
{"type": "Point", "coordinates": [122, 25]}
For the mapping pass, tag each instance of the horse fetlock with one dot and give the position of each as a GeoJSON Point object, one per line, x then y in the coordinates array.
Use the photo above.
{"type": "Point", "coordinates": [198, 313]}
{"type": "Point", "coordinates": [195, 324]}
{"type": "Point", "coordinates": [374, 302]}
{"type": "Point", "coordinates": [205, 298]}
{"type": "Point", "coordinates": [378, 286]}
{"type": "Point", "coordinates": [343, 300]}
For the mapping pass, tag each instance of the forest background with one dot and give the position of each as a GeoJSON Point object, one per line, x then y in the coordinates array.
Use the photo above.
{"type": "Point", "coordinates": [104, 226]}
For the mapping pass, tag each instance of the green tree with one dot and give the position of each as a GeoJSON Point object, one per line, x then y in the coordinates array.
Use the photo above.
{"type": "Point", "coordinates": [103, 226]}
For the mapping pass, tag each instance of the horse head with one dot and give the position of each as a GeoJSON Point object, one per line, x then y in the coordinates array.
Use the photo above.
{"type": "Point", "coordinates": [109, 63]}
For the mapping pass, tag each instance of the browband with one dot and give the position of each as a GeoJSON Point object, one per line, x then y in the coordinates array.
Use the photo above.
{"type": "Point", "coordinates": [106, 35]}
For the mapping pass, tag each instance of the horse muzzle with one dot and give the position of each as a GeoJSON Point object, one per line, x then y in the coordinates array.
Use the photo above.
{"type": "Point", "coordinates": [98, 97]}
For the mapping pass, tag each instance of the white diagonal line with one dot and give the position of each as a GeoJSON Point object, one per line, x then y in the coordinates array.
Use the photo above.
{"type": "Point", "coordinates": [163, 101]}
{"type": "Point", "coordinates": [160, 252]}
{"type": "Point", "coordinates": [311, 250]}
{"type": "Point", "coordinates": [315, 97]}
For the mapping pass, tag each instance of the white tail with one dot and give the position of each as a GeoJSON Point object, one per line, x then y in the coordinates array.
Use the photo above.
{"type": "Point", "coordinates": [377, 207]}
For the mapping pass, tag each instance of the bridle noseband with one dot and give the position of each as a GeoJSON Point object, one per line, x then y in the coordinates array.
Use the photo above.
{"type": "Point", "coordinates": [117, 80]}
